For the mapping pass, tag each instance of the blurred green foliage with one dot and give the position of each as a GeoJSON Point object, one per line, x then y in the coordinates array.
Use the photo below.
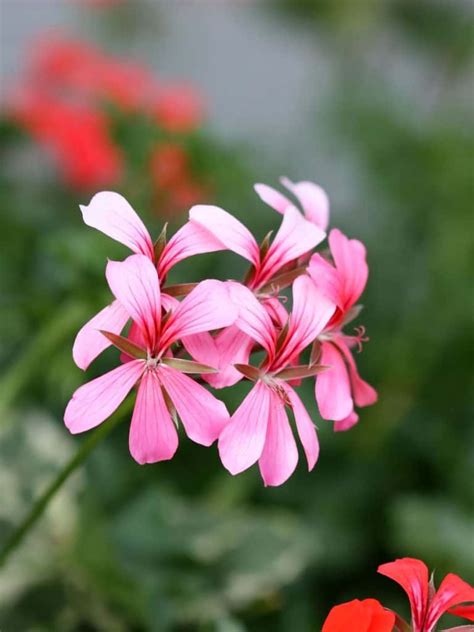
{"type": "Point", "coordinates": [182, 545]}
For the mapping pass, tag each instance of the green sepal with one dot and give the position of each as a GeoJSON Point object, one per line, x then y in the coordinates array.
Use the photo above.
{"type": "Point", "coordinates": [250, 372]}
{"type": "Point", "coordinates": [301, 371]}
{"type": "Point", "coordinates": [125, 345]}
{"type": "Point", "coordinates": [188, 366]}
{"type": "Point", "coordinates": [160, 243]}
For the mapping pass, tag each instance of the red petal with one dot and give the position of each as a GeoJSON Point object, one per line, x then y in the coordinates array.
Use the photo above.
{"type": "Point", "coordinates": [412, 576]}
{"type": "Point", "coordinates": [359, 616]}
{"type": "Point", "coordinates": [467, 612]}
{"type": "Point", "coordinates": [452, 592]}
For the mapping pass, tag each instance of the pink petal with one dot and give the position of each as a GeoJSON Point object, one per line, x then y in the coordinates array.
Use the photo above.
{"type": "Point", "coordinates": [231, 233]}
{"type": "Point", "coordinates": [233, 347]}
{"type": "Point", "coordinates": [134, 282]}
{"type": "Point", "coordinates": [191, 239]}
{"type": "Point", "coordinates": [203, 415]}
{"type": "Point", "coordinates": [294, 362]}
{"type": "Point", "coordinates": [153, 435]}
{"type": "Point", "coordinates": [295, 237]}
{"type": "Point", "coordinates": [202, 348]}
{"type": "Point", "coordinates": [363, 393]}
{"type": "Point", "coordinates": [310, 314]}
{"type": "Point", "coordinates": [207, 307]}
{"type": "Point", "coordinates": [313, 199]}
{"type": "Point", "coordinates": [347, 423]}
{"type": "Point", "coordinates": [89, 342]}
{"type": "Point", "coordinates": [253, 318]}
{"type": "Point", "coordinates": [276, 311]}
{"type": "Point", "coordinates": [241, 442]}
{"type": "Point", "coordinates": [412, 576]}
{"type": "Point", "coordinates": [453, 591]}
{"type": "Point", "coordinates": [350, 259]}
{"type": "Point", "coordinates": [333, 389]}
{"type": "Point", "coordinates": [327, 279]}
{"type": "Point", "coordinates": [111, 214]}
{"type": "Point", "coordinates": [306, 428]}
{"type": "Point", "coordinates": [230, 346]}
{"type": "Point", "coordinates": [95, 401]}
{"type": "Point", "coordinates": [272, 197]}
{"type": "Point", "coordinates": [280, 455]}
{"type": "Point", "coordinates": [168, 302]}
{"type": "Point", "coordinates": [311, 311]}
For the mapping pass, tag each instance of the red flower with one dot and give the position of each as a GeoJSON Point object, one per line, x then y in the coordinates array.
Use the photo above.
{"type": "Point", "coordinates": [78, 138]}
{"type": "Point", "coordinates": [61, 104]}
{"type": "Point", "coordinates": [428, 606]}
{"type": "Point", "coordinates": [359, 616]}
{"type": "Point", "coordinates": [65, 64]}
{"type": "Point", "coordinates": [178, 108]}
{"type": "Point", "coordinates": [169, 165]}
{"type": "Point", "coordinates": [86, 154]}
{"type": "Point", "coordinates": [188, 193]}
{"type": "Point", "coordinates": [176, 189]}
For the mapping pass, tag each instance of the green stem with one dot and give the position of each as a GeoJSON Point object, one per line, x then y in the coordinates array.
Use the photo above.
{"type": "Point", "coordinates": [43, 501]}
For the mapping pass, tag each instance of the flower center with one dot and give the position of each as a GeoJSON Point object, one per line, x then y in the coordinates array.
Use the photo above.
{"type": "Point", "coordinates": [152, 361]}
{"type": "Point", "coordinates": [275, 384]}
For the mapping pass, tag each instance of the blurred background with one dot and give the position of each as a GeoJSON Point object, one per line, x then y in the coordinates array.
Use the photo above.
{"type": "Point", "coordinates": [177, 102]}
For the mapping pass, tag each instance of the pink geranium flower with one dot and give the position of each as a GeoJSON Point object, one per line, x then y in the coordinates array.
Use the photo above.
{"type": "Point", "coordinates": [341, 388]}
{"type": "Point", "coordinates": [295, 237]}
{"type": "Point", "coordinates": [428, 605]}
{"type": "Point", "coordinates": [312, 198]}
{"type": "Point", "coordinates": [112, 214]}
{"type": "Point", "coordinates": [153, 437]}
{"type": "Point", "coordinates": [259, 429]}
{"type": "Point", "coordinates": [268, 273]}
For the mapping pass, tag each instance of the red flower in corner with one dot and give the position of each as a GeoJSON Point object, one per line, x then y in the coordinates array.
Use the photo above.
{"type": "Point", "coordinates": [359, 616]}
{"type": "Point", "coordinates": [78, 137]}
{"type": "Point", "coordinates": [428, 605]}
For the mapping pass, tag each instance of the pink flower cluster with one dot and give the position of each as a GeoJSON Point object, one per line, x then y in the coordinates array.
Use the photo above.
{"type": "Point", "coordinates": [212, 329]}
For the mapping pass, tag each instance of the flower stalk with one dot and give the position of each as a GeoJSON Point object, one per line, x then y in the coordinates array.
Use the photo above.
{"type": "Point", "coordinates": [35, 513]}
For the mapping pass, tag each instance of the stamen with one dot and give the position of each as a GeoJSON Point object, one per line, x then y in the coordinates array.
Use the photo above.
{"type": "Point", "coordinates": [282, 394]}
{"type": "Point", "coordinates": [360, 337]}
{"type": "Point", "coordinates": [277, 388]}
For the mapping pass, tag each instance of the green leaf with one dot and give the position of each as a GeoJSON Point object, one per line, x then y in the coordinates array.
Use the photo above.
{"type": "Point", "coordinates": [125, 345]}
